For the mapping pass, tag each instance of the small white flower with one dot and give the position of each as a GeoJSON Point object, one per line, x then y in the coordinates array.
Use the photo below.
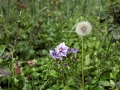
{"type": "Point", "coordinates": [83, 28]}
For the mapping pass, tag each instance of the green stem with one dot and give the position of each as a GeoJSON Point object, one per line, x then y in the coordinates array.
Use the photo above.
{"type": "Point", "coordinates": [63, 72]}
{"type": "Point", "coordinates": [82, 66]}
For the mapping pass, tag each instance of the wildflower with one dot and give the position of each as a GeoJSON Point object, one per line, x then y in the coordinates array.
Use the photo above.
{"type": "Point", "coordinates": [53, 54]}
{"type": "Point", "coordinates": [57, 2]}
{"type": "Point", "coordinates": [41, 21]}
{"type": "Point", "coordinates": [48, 15]}
{"type": "Point", "coordinates": [51, 3]}
{"type": "Point", "coordinates": [65, 64]}
{"type": "Point", "coordinates": [74, 50]}
{"type": "Point", "coordinates": [83, 28]}
{"type": "Point", "coordinates": [61, 49]}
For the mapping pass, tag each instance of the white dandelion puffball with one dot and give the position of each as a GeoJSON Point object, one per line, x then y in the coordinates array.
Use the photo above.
{"type": "Point", "coordinates": [83, 28]}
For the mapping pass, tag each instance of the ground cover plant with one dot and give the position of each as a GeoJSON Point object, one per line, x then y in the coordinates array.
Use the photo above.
{"type": "Point", "coordinates": [59, 45]}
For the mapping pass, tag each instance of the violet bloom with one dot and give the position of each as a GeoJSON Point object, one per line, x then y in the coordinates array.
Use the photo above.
{"type": "Point", "coordinates": [61, 50]}
{"type": "Point", "coordinates": [74, 50]}
{"type": "Point", "coordinates": [53, 54]}
{"type": "Point", "coordinates": [69, 51]}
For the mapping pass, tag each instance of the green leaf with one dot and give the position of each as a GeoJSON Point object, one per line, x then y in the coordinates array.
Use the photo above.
{"type": "Point", "coordinates": [99, 88]}
{"type": "Point", "coordinates": [70, 81]}
{"type": "Point", "coordinates": [104, 83]}
{"type": "Point", "coordinates": [26, 86]}
{"type": "Point", "coordinates": [2, 48]}
{"type": "Point", "coordinates": [112, 82]}
{"type": "Point", "coordinates": [54, 87]}
{"type": "Point", "coordinates": [67, 88]}
{"type": "Point", "coordinates": [53, 73]}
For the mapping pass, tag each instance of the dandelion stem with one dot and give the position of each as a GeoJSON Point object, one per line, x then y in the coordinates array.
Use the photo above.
{"type": "Point", "coordinates": [82, 66]}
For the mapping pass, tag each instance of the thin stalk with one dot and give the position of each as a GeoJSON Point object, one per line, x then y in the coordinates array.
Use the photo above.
{"type": "Point", "coordinates": [8, 10]}
{"type": "Point", "coordinates": [63, 72]}
{"type": "Point", "coordinates": [82, 65]}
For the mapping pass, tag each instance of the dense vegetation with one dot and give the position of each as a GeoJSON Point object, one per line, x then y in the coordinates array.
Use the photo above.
{"type": "Point", "coordinates": [29, 29]}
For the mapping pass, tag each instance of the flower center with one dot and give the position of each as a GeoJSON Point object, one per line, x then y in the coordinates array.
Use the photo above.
{"type": "Point", "coordinates": [83, 29]}
{"type": "Point", "coordinates": [60, 49]}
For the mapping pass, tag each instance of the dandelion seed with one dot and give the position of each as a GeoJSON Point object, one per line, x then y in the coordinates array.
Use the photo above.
{"type": "Point", "coordinates": [83, 28]}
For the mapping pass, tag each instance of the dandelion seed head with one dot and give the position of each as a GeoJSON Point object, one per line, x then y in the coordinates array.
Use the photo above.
{"type": "Point", "coordinates": [83, 28]}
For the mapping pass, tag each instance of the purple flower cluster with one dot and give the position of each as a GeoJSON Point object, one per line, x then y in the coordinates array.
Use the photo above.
{"type": "Point", "coordinates": [61, 51]}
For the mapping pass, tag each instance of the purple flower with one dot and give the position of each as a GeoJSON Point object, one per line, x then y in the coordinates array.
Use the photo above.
{"type": "Point", "coordinates": [53, 54]}
{"type": "Point", "coordinates": [74, 50]}
{"type": "Point", "coordinates": [65, 64]}
{"type": "Point", "coordinates": [61, 50]}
